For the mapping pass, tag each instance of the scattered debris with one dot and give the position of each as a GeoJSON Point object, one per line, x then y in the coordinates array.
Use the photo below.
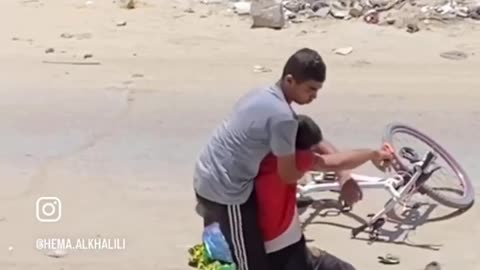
{"type": "Point", "coordinates": [77, 36]}
{"type": "Point", "coordinates": [276, 13]}
{"type": "Point", "coordinates": [267, 14]}
{"type": "Point", "coordinates": [121, 23]}
{"type": "Point", "coordinates": [260, 69]}
{"type": "Point", "coordinates": [50, 50]}
{"type": "Point", "coordinates": [66, 35]}
{"type": "Point", "coordinates": [57, 253]}
{"type": "Point", "coordinates": [22, 39]}
{"type": "Point", "coordinates": [389, 259]}
{"type": "Point", "coordinates": [454, 55]}
{"type": "Point", "coordinates": [343, 51]}
{"type": "Point", "coordinates": [71, 63]}
{"type": "Point", "coordinates": [210, 2]}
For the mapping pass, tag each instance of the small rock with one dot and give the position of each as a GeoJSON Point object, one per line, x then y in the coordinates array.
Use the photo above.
{"type": "Point", "coordinates": [10, 248]}
{"type": "Point", "coordinates": [87, 55]}
{"type": "Point", "coordinates": [50, 50]}
{"type": "Point", "coordinates": [318, 5]}
{"type": "Point", "coordinates": [412, 28]}
{"type": "Point", "coordinates": [137, 75]}
{"type": "Point", "coordinates": [390, 21]}
{"type": "Point", "coordinates": [454, 55]}
{"type": "Point", "coordinates": [475, 13]}
{"type": "Point", "coordinates": [297, 20]}
{"type": "Point", "coordinates": [189, 10]}
{"type": "Point", "coordinates": [322, 12]}
{"type": "Point", "coordinates": [57, 253]}
{"type": "Point", "coordinates": [294, 6]}
{"type": "Point", "coordinates": [302, 33]}
{"type": "Point", "coordinates": [307, 13]}
{"type": "Point", "coordinates": [66, 35]}
{"type": "Point", "coordinates": [128, 4]}
{"type": "Point", "coordinates": [121, 23]}
{"type": "Point", "coordinates": [260, 69]}
{"type": "Point", "coordinates": [267, 14]}
{"type": "Point", "coordinates": [433, 266]}
{"type": "Point", "coordinates": [88, 3]}
{"type": "Point", "coordinates": [355, 13]}
{"type": "Point", "coordinates": [339, 9]}
{"type": "Point", "coordinates": [242, 8]}
{"type": "Point", "coordinates": [343, 51]}
{"type": "Point", "coordinates": [289, 15]}
{"type": "Point", "coordinates": [339, 14]}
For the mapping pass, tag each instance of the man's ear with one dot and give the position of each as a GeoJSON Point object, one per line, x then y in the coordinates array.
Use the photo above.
{"type": "Point", "coordinates": [289, 79]}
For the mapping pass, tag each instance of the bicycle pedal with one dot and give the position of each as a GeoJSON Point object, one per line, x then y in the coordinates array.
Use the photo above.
{"type": "Point", "coordinates": [373, 236]}
{"type": "Point", "coordinates": [378, 224]}
{"type": "Point", "coordinates": [344, 207]}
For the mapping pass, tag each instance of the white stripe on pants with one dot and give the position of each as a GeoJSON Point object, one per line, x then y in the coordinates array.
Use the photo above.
{"type": "Point", "coordinates": [235, 220]}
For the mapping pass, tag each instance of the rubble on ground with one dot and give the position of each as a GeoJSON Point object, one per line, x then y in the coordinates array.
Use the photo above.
{"type": "Point", "coordinates": [412, 15]}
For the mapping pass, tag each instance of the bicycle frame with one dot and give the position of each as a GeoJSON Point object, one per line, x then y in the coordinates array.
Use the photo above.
{"type": "Point", "coordinates": [396, 186]}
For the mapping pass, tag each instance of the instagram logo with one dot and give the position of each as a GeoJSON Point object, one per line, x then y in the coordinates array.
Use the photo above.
{"type": "Point", "coordinates": [48, 209]}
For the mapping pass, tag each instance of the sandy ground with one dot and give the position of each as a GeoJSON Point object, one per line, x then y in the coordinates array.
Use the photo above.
{"type": "Point", "coordinates": [116, 142]}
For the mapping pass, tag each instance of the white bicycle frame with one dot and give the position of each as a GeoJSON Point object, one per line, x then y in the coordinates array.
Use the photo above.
{"type": "Point", "coordinates": [396, 186]}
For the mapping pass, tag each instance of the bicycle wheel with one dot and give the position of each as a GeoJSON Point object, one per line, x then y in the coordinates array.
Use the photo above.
{"type": "Point", "coordinates": [461, 196]}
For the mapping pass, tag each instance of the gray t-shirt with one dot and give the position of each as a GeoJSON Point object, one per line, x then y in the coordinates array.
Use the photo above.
{"type": "Point", "coordinates": [261, 122]}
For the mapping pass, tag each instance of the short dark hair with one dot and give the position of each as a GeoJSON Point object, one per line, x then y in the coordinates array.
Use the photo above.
{"type": "Point", "coordinates": [305, 64]}
{"type": "Point", "coordinates": [308, 133]}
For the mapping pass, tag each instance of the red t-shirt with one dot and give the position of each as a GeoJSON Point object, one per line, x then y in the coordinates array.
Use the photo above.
{"type": "Point", "coordinates": [277, 201]}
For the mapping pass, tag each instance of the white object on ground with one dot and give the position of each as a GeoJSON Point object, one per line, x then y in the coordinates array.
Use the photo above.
{"type": "Point", "coordinates": [343, 51]}
{"type": "Point", "coordinates": [260, 69]}
{"type": "Point", "coordinates": [242, 8]}
{"type": "Point", "coordinates": [57, 253]}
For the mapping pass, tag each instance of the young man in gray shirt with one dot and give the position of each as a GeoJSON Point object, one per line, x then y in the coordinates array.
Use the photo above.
{"type": "Point", "coordinates": [262, 122]}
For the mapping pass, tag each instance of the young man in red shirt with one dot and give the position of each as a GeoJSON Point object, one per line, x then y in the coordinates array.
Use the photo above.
{"type": "Point", "coordinates": [276, 201]}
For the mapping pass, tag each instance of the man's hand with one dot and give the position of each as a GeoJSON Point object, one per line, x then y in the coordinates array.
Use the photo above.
{"type": "Point", "coordinates": [350, 191]}
{"type": "Point", "coordinates": [383, 159]}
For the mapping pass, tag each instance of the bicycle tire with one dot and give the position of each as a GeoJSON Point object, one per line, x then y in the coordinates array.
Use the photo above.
{"type": "Point", "coordinates": [468, 197]}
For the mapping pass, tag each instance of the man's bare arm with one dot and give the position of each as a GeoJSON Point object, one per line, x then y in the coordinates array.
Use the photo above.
{"type": "Point", "coordinates": [344, 160]}
{"type": "Point", "coordinates": [325, 147]}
